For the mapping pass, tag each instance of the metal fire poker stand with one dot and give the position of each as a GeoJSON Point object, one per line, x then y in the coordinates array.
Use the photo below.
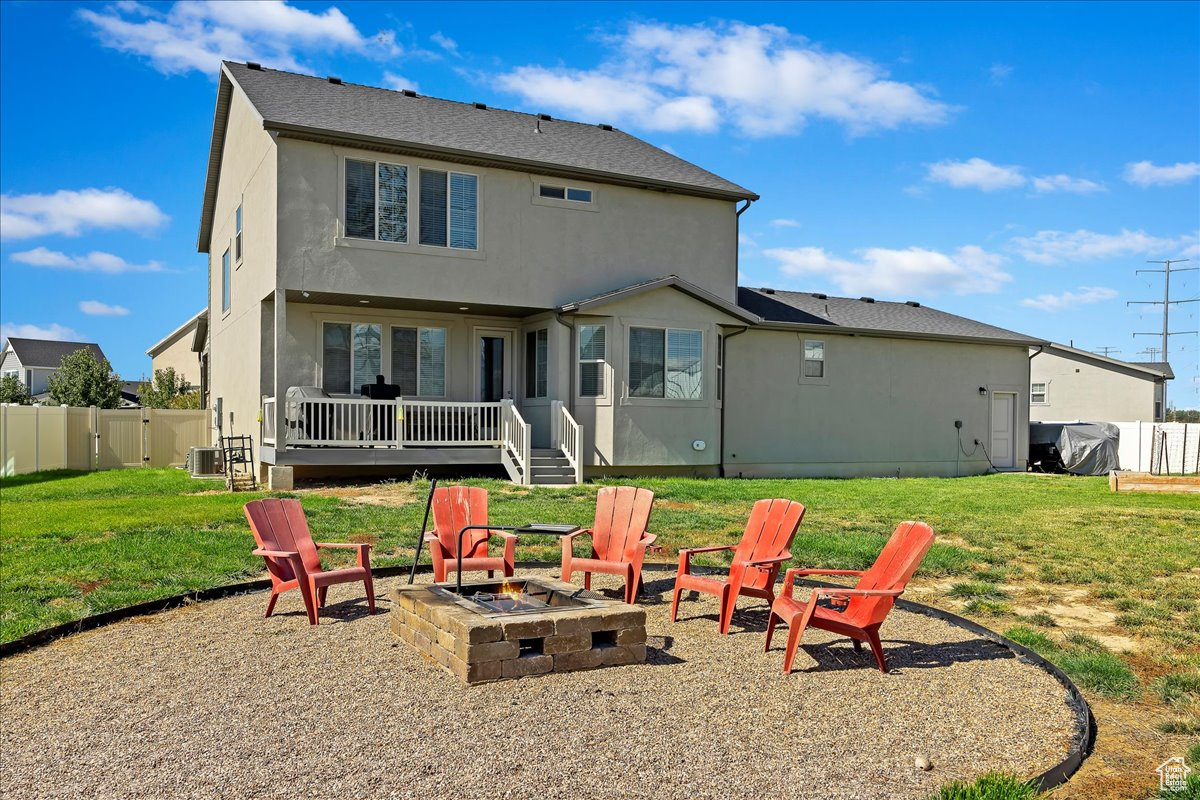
{"type": "Point", "coordinates": [532, 527]}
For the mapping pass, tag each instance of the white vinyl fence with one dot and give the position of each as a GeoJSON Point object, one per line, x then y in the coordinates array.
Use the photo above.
{"type": "Point", "coordinates": [1176, 446]}
{"type": "Point", "coordinates": [36, 438]}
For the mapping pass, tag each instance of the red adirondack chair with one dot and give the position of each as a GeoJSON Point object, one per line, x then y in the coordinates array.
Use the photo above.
{"type": "Point", "coordinates": [860, 611]}
{"type": "Point", "coordinates": [454, 508]}
{"type": "Point", "coordinates": [619, 538]}
{"type": "Point", "coordinates": [756, 559]}
{"type": "Point", "coordinates": [281, 531]}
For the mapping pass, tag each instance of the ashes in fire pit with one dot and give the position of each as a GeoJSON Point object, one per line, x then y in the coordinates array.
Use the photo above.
{"type": "Point", "coordinates": [517, 627]}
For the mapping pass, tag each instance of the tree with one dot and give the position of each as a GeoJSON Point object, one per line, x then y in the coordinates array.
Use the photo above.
{"type": "Point", "coordinates": [1183, 415]}
{"type": "Point", "coordinates": [13, 391]}
{"type": "Point", "coordinates": [167, 390]}
{"type": "Point", "coordinates": [84, 381]}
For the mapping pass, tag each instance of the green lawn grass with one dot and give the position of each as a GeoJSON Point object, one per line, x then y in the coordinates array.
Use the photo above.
{"type": "Point", "coordinates": [73, 544]}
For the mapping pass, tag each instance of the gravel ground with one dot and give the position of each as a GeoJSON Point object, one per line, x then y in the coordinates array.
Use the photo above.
{"type": "Point", "coordinates": [213, 700]}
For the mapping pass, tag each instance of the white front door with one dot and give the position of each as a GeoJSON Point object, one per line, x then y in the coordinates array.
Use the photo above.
{"type": "Point", "coordinates": [1004, 430]}
{"type": "Point", "coordinates": [493, 365]}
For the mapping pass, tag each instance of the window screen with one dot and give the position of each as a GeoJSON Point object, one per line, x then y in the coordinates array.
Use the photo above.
{"type": "Point", "coordinates": [226, 290]}
{"type": "Point", "coordinates": [685, 364]}
{"type": "Point", "coordinates": [433, 207]}
{"type": "Point", "coordinates": [360, 199]}
{"type": "Point", "coordinates": [393, 203]}
{"type": "Point", "coordinates": [814, 359]}
{"type": "Point", "coordinates": [536, 363]}
{"type": "Point", "coordinates": [237, 239]}
{"type": "Point", "coordinates": [592, 352]}
{"type": "Point", "coordinates": [335, 371]}
{"type": "Point", "coordinates": [463, 214]}
{"type": "Point", "coordinates": [647, 350]}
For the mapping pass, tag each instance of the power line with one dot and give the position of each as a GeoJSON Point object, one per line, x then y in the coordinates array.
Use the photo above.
{"type": "Point", "coordinates": [1166, 303]}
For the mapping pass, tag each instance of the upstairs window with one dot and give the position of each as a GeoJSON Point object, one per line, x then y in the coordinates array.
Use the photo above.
{"type": "Point", "coordinates": [814, 358]}
{"type": "Point", "coordinates": [449, 209]}
{"type": "Point", "coordinates": [226, 296]}
{"type": "Point", "coordinates": [237, 236]}
{"type": "Point", "coordinates": [592, 353]}
{"type": "Point", "coordinates": [536, 363]}
{"type": "Point", "coordinates": [666, 363]}
{"type": "Point", "coordinates": [376, 201]}
{"type": "Point", "coordinates": [572, 193]}
{"type": "Point", "coordinates": [1037, 393]}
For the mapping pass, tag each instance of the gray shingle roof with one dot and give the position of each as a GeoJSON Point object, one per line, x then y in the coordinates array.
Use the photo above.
{"type": "Point", "coordinates": [284, 98]}
{"type": "Point", "coordinates": [45, 353]}
{"type": "Point", "coordinates": [1158, 366]}
{"type": "Point", "coordinates": [808, 308]}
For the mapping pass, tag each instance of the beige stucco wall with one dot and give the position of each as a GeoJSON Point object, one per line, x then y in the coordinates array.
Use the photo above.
{"type": "Point", "coordinates": [622, 431]}
{"type": "Point", "coordinates": [177, 354]}
{"type": "Point", "coordinates": [885, 405]}
{"type": "Point", "coordinates": [1079, 390]}
{"type": "Point", "coordinates": [531, 253]}
{"type": "Point", "coordinates": [248, 177]}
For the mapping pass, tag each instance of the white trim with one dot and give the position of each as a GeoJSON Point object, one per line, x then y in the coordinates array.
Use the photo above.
{"type": "Point", "coordinates": [1045, 393]}
{"type": "Point", "coordinates": [806, 380]}
{"type": "Point", "coordinates": [509, 335]}
{"type": "Point", "coordinates": [606, 370]}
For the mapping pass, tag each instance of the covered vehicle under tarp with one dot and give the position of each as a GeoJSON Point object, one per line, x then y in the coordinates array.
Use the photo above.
{"type": "Point", "coordinates": [1080, 448]}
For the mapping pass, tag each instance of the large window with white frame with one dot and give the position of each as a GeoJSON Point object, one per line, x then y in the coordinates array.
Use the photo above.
{"type": "Point", "coordinates": [448, 213]}
{"type": "Point", "coordinates": [593, 351]}
{"type": "Point", "coordinates": [537, 363]}
{"type": "Point", "coordinates": [353, 354]}
{"type": "Point", "coordinates": [376, 201]}
{"type": "Point", "coordinates": [666, 363]}
{"type": "Point", "coordinates": [1038, 394]}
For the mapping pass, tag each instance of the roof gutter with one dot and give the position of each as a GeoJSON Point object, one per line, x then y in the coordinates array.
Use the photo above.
{"type": "Point", "coordinates": [1038, 352]}
{"type": "Point", "coordinates": [834, 330]}
{"type": "Point", "coordinates": [503, 162]}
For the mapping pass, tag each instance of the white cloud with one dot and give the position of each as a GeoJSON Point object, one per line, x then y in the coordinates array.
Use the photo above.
{"type": "Point", "coordinates": [975, 173]}
{"type": "Point", "coordinates": [761, 80]}
{"type": "Point", "coordinates": [1061, 302]}
{"type": "Point", "coordinates": [1066, 183]}
{"type": "Point", "coordinates": [785, 223]}
{"type": "Point", "coordinates": [1054, 247]}
{"type": "Point", "coordinates": [398, 82]}
{"type": "Point", "coordinates": [1144, 173]}
{"type": "Point", "coordinates": [197, 35]}
{"type": "Point", "coordinates": [97, 309]}
{"type": "Point", "coordinates": [53, 331]}
{"type": "Point", "coordinates": [445, 42]}
{"type": "Point", "coordinates": [999, 73]}
{"type": "Point", "coordinates": [94, 261]}
{"type": "Point", "coordinates": [71, 212]}
{"type": "Point", "coordinates": [891, 273]}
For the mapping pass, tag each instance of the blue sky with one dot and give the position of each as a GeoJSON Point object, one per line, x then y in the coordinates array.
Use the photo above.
{"type": "Point", "coordinates": [1014, 163]}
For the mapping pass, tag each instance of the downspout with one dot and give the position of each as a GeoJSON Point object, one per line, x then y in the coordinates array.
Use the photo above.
{"type": "Point", "coordinates": [724, 394]}
{"type": "Point", "coordinates": [737, 231]}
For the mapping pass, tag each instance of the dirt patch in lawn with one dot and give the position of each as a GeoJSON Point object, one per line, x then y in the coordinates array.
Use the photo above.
{"type": "Point", "coordinates": [387, 495]}
{"type": "Point", "coordinates": [87, 587]}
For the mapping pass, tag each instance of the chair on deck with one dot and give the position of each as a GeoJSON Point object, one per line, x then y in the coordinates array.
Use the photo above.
{"type": "Point", "coordinates": [454, 508]}
{"type": "Point", "coordinates": [856, 612]}
{"type": "Point", "coordinates": [619, 538]}
{"type": "Point", "coordinates": [756, 559]}
{"type": "Point", "coordinates": [281, 531]}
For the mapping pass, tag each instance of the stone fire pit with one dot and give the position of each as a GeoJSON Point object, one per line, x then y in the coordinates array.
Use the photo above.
{"type": "Point", "coordinates": [515, 627]}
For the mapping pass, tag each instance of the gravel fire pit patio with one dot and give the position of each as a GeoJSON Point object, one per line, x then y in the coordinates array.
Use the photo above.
{"type": "Point", "coordinates": [214, 700]}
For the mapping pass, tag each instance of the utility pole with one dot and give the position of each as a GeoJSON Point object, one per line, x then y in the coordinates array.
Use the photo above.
{"type": "Point", "coordinates": [1104, 351]}
{"type": "Point", "coordinates": [1166, 303]}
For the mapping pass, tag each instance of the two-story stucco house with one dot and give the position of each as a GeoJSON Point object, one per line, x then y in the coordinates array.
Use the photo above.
{"type": "Point", "coordinates": [400, 282]}
{"type": "Point", "coordinates": [1069, 384]}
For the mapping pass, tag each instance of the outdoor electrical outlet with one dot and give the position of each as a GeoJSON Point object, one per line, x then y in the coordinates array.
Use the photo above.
{"type": "Point", "coordinates": [958, 424]}
{"type": "Point", "coordinates": [977, 443]}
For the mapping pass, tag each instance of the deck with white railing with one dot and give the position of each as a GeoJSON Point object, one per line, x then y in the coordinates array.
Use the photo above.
{"type": "Point", "coordinates": [359, 431]}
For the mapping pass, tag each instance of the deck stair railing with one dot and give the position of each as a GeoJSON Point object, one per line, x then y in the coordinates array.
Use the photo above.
{"type": "Point", "coordinates": [567, 436]}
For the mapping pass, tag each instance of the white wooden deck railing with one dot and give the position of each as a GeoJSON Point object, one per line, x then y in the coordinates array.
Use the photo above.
{"type": "Point", "coordinates": [437, 423]}
{"type": "Point", "coordinates": [516, 436]}
{"type": "Point", "coordinates": [567, 436]}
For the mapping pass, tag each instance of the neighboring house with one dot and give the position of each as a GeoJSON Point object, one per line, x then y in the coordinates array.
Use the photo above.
{"type": "Point", "coordinates": [180, 350]}
{"type": "Point", "coordinates": [33, 361]}
{"type": "Point", "coordinates": [511, 276]}
{"type": "Point", "coordinates": [1068, 384]}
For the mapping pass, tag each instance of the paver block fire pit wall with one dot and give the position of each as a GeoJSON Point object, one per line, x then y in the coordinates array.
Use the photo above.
{"type": "Point", "coordinates": [478, 646]}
